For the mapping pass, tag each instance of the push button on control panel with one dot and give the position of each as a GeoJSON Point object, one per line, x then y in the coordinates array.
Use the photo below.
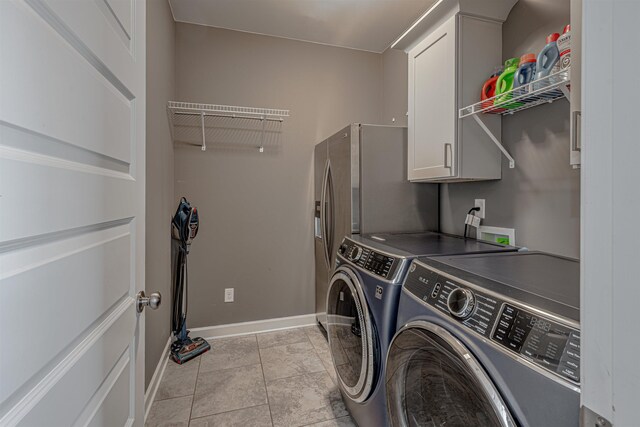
{"type": "Point", "coordinates": [436, 289]}
{"type": "Point", "coordinates": [570, 361]}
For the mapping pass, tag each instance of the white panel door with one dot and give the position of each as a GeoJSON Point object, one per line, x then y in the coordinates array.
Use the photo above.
{"type": "Point", "coordinates": [432, 107]}
{"type": "Point", "coordinates": [609, 206]}
{"type": "Point", "coordinates": [72, 128]}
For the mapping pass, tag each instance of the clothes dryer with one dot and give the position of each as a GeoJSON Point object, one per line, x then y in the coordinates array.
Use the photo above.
{"type": "Point", "coordinates": [487, 339]}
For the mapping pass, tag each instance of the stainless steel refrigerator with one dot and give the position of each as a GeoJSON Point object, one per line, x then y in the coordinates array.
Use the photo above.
{"type": "Point", "coordinates": [361, 186]}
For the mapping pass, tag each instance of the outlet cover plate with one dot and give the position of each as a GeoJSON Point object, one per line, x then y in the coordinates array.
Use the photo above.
{"type": "Point", "coordinates": [480, 203]}
{"type": "Point", "coordinates": [228, 295]}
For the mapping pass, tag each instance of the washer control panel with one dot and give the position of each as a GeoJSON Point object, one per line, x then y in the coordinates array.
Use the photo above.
{"type": "Point", "coordinates": [538, 339]}
{"type": "Point", "coordinates": [375, 262]}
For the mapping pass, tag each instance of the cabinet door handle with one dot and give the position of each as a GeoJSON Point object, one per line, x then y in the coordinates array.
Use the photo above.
{"type": "Point", "coordinates": [576, 144]}
{"type": "Point", "coordinates": [447, 157]}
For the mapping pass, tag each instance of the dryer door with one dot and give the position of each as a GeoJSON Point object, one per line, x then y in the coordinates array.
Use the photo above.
{"type": "Point", "coordinates": [351, 334]}
{"type": "Point", "coordinates": [433, 380]}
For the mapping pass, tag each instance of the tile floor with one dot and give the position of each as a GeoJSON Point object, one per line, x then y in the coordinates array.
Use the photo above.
{"type": "Point", "coordinates": [283, 378]}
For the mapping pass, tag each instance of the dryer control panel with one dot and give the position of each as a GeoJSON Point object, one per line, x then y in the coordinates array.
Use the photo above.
{"type": "Point", "coordinates": [375, 262]}
{"type": "Point", "coordinates": [548, 344]}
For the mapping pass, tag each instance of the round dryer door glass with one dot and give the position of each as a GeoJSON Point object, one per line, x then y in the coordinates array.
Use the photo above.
{"type": "Point", "coordinates": [432, 380]}
{"type": "Point", "coordinates": [350, 335]}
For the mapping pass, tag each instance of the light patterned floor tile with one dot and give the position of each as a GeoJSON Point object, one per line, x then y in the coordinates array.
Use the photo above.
{"type": "Point", "coordinates": [228, 390]}
{"type": "Point", "coordinates": [290, 360]}
{"type": "Point", "coordinates": [277, 338]}
{"type": "Point", "coordinates": [305, 399]}
{"type": "Point", "coordinates": [257, 416]}
{"type": "Point", "coordinates": [170, 413]}
{"type": "Point", "coordinates": [229, 353]}
{"type": "Point", "coordinates": [178, 380]}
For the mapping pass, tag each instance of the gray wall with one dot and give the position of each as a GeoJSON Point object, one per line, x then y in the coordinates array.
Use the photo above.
{"type": "Point", "coordinates": [394, 88]}
{"type": "Point", "coordinates": [256, 209]}
{"type": "Point", "coordinates": [540, 198]}
{"type": "Point", "coordinates": [159, 191]}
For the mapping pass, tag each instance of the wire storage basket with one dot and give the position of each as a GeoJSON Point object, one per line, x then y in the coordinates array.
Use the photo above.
{"type": "Point", "coordinates": [541, 91]}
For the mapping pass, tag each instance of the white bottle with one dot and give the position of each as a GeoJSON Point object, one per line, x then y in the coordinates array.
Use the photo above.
{"type": "Point", "coordinates": [564, 46]}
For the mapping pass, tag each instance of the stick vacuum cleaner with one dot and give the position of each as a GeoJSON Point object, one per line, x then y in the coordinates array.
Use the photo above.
{"type": "Point", "coordinates": [184, 228]}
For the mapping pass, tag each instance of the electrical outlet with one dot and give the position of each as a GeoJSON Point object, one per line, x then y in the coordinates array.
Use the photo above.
{"type": "Point", "coordinates": [228, 295]}
{"type": "Point", "coordinates": [479, 203]}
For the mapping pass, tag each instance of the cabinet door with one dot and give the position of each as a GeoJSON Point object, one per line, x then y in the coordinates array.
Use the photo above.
{"type": "Point", "coordinates": [432, 115]}
{"type": "Point", "coordinates": [576, 81]}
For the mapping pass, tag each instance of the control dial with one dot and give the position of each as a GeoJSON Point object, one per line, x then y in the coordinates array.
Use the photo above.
{"type": "Point", "coordinates": [355, 253]}
{"type": "Point", "coordinates": [461, 303]}
{"type": "Point", "coordinates": [343, 248]}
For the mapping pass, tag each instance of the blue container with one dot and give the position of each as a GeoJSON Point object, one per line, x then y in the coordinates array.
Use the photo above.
{"type": "Point", "coordinates": [526, 71]}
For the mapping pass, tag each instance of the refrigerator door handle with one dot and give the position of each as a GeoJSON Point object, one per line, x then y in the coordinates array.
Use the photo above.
{"type": "Point", "coordinates": [323, 211]}
{"type": "Point", "coordinates": [331, 216]}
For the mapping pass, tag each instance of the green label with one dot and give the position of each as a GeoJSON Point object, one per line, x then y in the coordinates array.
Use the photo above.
{"type": "Point", "coordinates": [502, 240]}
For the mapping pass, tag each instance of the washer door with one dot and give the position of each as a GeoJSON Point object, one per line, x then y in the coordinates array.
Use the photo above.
{"type": "Point", "coordinates": [433, 380]}
{"type": "Point", "coordinates": [350, 331]}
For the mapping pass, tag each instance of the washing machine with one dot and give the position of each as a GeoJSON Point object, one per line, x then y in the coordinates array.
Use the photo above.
{"type": "Point", "coordinates": [362, 306]}
{"type": "Point", "coordinates": [487, 340]}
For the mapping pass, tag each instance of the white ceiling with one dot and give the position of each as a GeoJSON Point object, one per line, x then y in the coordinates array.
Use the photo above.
{"type": "Point", "coordinates": [358, 24]}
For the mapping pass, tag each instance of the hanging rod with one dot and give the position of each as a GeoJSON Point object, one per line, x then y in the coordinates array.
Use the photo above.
{"type": "Point", "coordinates": [232, 116]}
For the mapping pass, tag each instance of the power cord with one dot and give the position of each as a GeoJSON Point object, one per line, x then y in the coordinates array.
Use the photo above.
{"type": "Point", "coordinates": [466, 226]}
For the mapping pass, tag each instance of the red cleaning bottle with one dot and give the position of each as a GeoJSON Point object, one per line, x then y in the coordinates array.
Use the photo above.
{"type": "Point", "coordinates": [489, 90]}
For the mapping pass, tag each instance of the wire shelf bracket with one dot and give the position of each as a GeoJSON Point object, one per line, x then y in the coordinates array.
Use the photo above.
{"type": "Point", "coordinates": [177, 108]}
{"type": "Point", "coordinates": [512, 162]}
{"type": "Point", "coordinates": [542, 91]}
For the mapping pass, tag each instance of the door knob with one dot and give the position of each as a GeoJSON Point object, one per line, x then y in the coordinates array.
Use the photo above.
{"type": "Point", "coordinates": [153, 301]}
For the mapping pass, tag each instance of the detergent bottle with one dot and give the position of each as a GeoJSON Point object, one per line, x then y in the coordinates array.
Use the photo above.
{"type": "Point", "coordinates": [564, 47]}
{"type": "Point", "coordinates": [489, 88]}
{"type": "Point", "coordinates": [525, 75]}
{"type": "Point", "coordinates": [505, 84]}
{"type": "Point", "coordinates": [548, 57]}
{"type": "Point", "coordinates": [526, 71]}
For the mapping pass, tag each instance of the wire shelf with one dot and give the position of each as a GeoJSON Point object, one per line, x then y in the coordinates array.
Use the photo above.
{"type": "Point", "coordinates": [229, 110]}
{"type": "Point", "coordinates": [178, 111]}
{"type": "Point", "coordinates": [541, 91]}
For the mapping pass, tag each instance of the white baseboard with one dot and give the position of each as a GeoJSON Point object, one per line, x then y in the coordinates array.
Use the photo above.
{"type": "Point", "coordinates": [150, 394]}
{"type": "Point", "coordinates": [247, 328]}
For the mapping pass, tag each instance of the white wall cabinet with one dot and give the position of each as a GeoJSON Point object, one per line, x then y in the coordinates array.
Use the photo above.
{"type": "Point", "coordinates": [447, 69]}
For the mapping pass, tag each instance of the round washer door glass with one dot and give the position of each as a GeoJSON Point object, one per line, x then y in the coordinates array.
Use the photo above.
{"type": "Point", "coordinates": [350, 334]}
{"type": "Point", "coordinates": [432, 380]}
